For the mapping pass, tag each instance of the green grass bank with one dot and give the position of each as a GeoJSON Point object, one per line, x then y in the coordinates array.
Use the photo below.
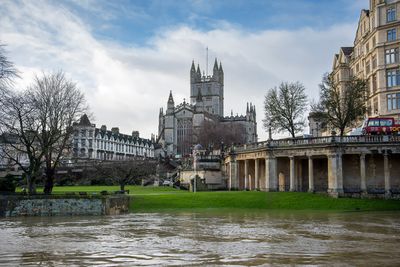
{"type": "Point", "coordinates": [256, 201]}
{"type": "Point", "coordinates": [158, 199]}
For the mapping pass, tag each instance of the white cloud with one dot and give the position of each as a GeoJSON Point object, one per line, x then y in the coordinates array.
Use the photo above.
{"type": "Point", "coordinates": [126, 86]}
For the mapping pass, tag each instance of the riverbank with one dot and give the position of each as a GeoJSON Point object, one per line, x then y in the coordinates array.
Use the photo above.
{"type": "Point", "coordinates": [256, 201]}
{"type": "Point", "coordinates": [157, 199]}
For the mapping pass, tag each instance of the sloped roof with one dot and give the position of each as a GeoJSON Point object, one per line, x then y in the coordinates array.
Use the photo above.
{"type": "Point", "coordinates": [347, 50]}
{"type": "Point", "coordinates": [84, 121]}
{"type": "Point", "coordinates": [123, 137]}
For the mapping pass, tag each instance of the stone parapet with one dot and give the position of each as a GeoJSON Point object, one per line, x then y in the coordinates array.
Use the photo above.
{"type": "Point", "coordinates": [62, 205]}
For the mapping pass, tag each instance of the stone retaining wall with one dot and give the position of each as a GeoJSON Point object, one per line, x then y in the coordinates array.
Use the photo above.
{"type": "Point", "coordinates": [60, 205]}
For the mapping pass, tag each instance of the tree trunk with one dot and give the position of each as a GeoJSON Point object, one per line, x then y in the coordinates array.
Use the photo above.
{"type": "Point", "coordinates": [48, 187]}
{"type": "Point", "coordinates": [122, 186]}
{"type": "Point", "coordinates": [341, 132]}
{"type": "Point", "coordinates": [30, 183]}
{"type": "Point", "coordinates": [293, 134]}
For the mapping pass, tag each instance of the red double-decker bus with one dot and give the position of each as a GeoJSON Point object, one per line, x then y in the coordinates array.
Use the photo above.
{"type": "Point", "coordinates": [381, 126]}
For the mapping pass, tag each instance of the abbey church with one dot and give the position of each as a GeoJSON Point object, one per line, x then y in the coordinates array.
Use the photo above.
{"type": "Point", "coordinates": [179, 123]}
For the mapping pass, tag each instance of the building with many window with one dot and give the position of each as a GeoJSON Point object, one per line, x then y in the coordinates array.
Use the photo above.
{"type": "Point", "coordinates": [374, 57]}
{"type": "Point", "coordinates": [90, 142]}
{"type": "Point", "coordinates": [179, 124]}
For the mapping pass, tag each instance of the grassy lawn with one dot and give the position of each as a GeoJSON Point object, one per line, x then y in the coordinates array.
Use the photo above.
{"type": "Point", "coordinates": [156, 199]}
{"type": "Point", "coordinates": [256, 200]}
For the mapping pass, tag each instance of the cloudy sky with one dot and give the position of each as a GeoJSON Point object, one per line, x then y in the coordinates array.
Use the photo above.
{"type": "Point", "coordinates": [127, 55]}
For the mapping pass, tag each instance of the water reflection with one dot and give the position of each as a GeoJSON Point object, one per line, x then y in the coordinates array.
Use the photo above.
{"type": "Point", "coordinates": [254, 238]}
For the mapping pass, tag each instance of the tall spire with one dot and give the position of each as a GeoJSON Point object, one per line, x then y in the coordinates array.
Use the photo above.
{"type": "Point", "coordinates": [215, 65]}
{"type": "Point", "coordinates": [207, 61]}
{"type": "Point", "coordinates": [198, 69]}
{"type": "Point", "coordinates": [198, 72]}
{"type": "Point", "coordinates": [170, 98]}
{"type": "Point", "coordinates": [170, 104]}
{"type": "Point", "coordinates": [193, 68]}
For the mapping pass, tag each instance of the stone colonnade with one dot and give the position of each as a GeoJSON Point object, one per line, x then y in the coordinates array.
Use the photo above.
{"type": "Point", "coordinates": [241, 178]}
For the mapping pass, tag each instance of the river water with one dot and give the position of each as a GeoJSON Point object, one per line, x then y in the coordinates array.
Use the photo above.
{"type": "Point", "coordinates": [214, 238]}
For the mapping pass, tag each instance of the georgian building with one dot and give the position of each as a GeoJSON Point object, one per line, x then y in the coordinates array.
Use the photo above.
{"type": "Point", "coordinates": [90, 142]}
{"type": "Point", "coordinates": [179, 124]}
{"type": "Point", "coordinates": [374, 57]}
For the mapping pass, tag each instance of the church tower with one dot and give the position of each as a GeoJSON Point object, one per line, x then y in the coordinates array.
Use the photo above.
{"type": "Point", "coordinates": [210, 88]}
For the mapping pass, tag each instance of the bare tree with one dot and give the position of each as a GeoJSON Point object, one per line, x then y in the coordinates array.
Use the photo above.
{"type": "Point", "coordinates": [18, 129]}
{"type": "Point", "coordinates": [285, 107]}
{"type": "Point", "coordinates": [126, 172]}
{"type": "Point", "coordinates": [7, 70]}
{"type": "Point", "coordinates": [37, 124]}
{"type": "Point", "coordinates": [58, 103]}
{"type": "Point", "coordinates": [341, 105]}
{"type": "Point", "coordinates": [213, 133]}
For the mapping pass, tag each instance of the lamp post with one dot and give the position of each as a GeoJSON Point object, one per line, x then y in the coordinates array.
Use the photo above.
{"type": "Point", "coordinates": [317, 127]}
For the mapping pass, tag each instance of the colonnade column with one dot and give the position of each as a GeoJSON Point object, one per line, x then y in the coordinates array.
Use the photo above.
{"type": "Point", "coordinates": [246, 174]}
{"type": "Point", "coordinates": [271, 177]}
{"type": "Point", "coordinates": [363, 173]}
{"type": "Point", "coordinates": [292, 174]}
{"type": "Point", "coordinates": [310, 175]}
{"type": "Point", "coordinates": [386, 171]}
{"type": "Point", "coordinates": [335, 174]}
{"type": "Point", "coordinates": [233, 175]}
{"type": "Point", "coordinates": [256, 178]}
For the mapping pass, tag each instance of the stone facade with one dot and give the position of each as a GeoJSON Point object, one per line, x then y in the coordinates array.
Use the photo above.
{"type": "Point", "coordinates": [374, 57]}
{"type": "Point", "coordinates": [90, 142]}
{"type": "Point", "coordinates": [366, 166]}
{"type": "Point", "coordinates": [178, 125]}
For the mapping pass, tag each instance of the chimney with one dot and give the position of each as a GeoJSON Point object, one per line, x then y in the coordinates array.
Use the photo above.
{"type": "Point", "coordinates": [115, 130]}
{"type": "Point", "coordinates": [135, 134]}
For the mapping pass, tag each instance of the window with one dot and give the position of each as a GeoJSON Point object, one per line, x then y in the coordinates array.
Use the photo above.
{"type": "Point", "coordinates": [373, 41]}
{"type": "Point", "coordinates": [375, 106]}
{"type": "Point", "coordinates": [391, 14]}
{"type": "Point", "coordinates": [373, 122]}
{"type": "Point", "coordinates": [83, 143]}
{"type": "Point", "coordinates": [391, 35]}
{"type": "Point", "coordinates": [374, 62]}
{"type": "Point", "coordinates": [357, 68]}
{"type": "Point", "coordinates": [393, 101]}
{"type": "Point", "coordinates": [391, 55]}
{"type": "Point", "coordinates": [367, 67]}
{"type": "Point", "coordinates": [367, 48]}
{"type": "Point", "coordinates": [392, 78]}
{"type": "Point", "coordinates": [374, 83]}
{"type": "Point", "coordinates": [386, 122]}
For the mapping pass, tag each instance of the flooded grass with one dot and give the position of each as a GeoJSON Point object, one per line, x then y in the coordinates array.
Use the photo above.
{"type": "Point", "coordinates": [256, 200]}
{"type": "Point", "coordinates": [156, 199]}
